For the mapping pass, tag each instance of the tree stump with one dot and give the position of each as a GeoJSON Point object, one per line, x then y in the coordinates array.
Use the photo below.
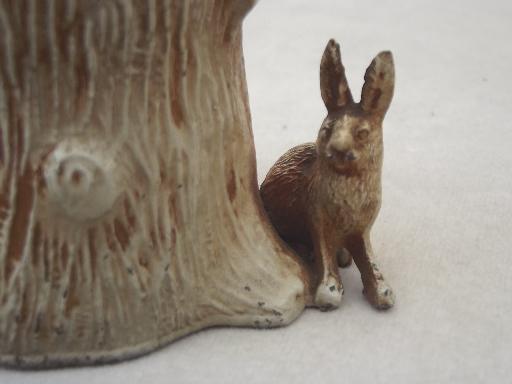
{"type": "Point", "coordinates": [129, 206]}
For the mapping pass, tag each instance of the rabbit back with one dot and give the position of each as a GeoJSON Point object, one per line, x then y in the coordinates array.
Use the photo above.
{"type": "Point", "coordinates": [285, 192]}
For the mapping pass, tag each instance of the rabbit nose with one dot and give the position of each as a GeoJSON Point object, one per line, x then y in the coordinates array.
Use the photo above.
{"type": "Point", "coordinates": [344, 154]}
{"type": "Point", "coordinates": [349, 156]}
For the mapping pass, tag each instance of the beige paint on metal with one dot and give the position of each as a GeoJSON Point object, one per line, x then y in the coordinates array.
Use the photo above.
{"type": "Point", "coordinates": [129, 207]}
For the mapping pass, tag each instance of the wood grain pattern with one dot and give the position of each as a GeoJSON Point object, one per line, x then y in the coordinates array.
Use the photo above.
{"type": "Point", "coordinates": [129, 212]}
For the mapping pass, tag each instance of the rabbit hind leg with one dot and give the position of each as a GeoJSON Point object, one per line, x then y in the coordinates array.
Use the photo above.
{"type": "Point", "coordinates": [344, 258]}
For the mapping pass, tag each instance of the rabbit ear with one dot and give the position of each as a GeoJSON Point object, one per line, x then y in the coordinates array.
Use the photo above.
{"type": "Point", "coordinates": [333, 83]}
{"type": "Point", "coordinates": [379, 82]}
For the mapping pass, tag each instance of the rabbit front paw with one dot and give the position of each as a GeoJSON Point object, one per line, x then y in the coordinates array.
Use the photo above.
{"type": "Point", "coordinates": [380, 295]}
{"type": "Point", "coordinates": [328, 294]}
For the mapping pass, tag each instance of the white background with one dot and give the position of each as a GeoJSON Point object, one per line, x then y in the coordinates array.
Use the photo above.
{"type": "Point", "coordinates": [444, 235]}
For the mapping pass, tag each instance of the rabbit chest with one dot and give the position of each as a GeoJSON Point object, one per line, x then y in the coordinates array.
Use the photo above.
{"type": "Point", "coordinates": [350, 204]}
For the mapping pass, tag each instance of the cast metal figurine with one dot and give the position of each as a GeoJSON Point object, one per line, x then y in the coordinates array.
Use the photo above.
{"type": "Point", "coordinates": [323, 197]}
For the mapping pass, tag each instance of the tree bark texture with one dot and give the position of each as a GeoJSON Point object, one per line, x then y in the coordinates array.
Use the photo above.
{"type": "Point", "coordinates": [129, 208]}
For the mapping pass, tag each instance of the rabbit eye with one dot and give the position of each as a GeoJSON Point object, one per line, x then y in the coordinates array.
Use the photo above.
{"type": "Point", "coordinates": [363, 134]}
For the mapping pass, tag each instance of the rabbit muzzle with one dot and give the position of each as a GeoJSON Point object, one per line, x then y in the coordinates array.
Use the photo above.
{"type": "Point", "coordinates": [343, 162]}
{"type": "Point", "coordinates": [340, 152]}
{"type": "Point", "coordinates": [344, 156]}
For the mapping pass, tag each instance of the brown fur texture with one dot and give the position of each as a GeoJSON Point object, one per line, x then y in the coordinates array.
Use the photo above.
{"type": "Point", "coordinates": [324, 197]}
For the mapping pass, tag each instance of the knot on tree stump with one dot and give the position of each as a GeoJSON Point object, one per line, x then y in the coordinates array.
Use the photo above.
{"type": "Point", "coordinates": [80, 184]}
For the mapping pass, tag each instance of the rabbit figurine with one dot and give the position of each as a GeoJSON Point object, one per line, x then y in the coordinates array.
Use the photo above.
{"type": "Point", "coordinates": [324, 197]}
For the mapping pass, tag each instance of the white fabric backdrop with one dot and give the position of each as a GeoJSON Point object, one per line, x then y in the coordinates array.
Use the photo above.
{"type": "Point", "coordinates": [444, 234]}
